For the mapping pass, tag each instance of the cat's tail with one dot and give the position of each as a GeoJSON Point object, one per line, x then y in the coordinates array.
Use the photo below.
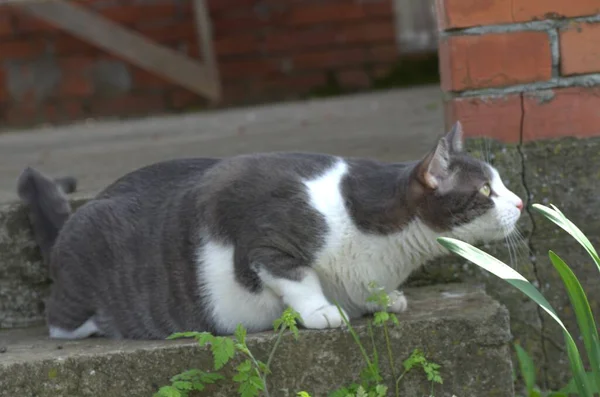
{"type": "Point", "coordinates": [48, 206]}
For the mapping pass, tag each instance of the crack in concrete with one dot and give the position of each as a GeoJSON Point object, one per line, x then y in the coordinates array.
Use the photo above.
{"type": "Point", "coordinates": [530, 245]}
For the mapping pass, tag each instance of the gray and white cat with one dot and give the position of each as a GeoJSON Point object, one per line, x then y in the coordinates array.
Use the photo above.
{"type": "Point", "coordinates": [204, 244]}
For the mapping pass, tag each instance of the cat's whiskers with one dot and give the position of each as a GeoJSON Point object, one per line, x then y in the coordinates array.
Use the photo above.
{"type": "Point", "coordinates": [517, 246]}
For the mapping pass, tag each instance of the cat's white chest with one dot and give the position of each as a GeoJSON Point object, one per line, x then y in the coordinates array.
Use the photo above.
{"type": "Point", "coordinates": [351, 259]}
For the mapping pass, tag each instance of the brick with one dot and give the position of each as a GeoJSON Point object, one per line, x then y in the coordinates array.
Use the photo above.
{"type": "Point", "coordinates": [26, 24]}
{"type": "Point", "coordinates": [328, 59]}
{"type": "Point", "coordinates": [75, 85]}
{"type": "Point", "coordinates": [182, 30]}
{"type": "Point", "coordinates": [21, 49]}
{"type": "Point", "coordinates": [579, 49]}
{"type": "Point", "coordinates": [28, 114]}
{"type": "Point", "coordinates": [247, 69]}
{"type": "Point", "coordinates": [3, 86]}
{"type": "Point", "coordinates": [494, 117]}
{"type": "Point", "coordinates": [526, 10]}
{"type": "Point", "coordinates": [75, 64]}
{"type": "Point", "coordinates": [131, 14]}
{"type": "Point", "coordinates": [354, 79]}
{"type": "Point", "coordinates": [216, 7]}
{"type": "Point", "coordinates": [301, 39]}
{"type": "Point", "coordinates": [562, 112]}
{"type": "Point", "coordinates": [227, 26]}
{"type": "Point", "coordinates": [494, 60]}
{"type": "Point", "coordinates": [6, 22]}
{"type": "Point", "coordinates": [384, 53]}
{"type": "Point", "coordinates": [65, 44]}
{"type": "Point", "coordinates": [381, 71]}
{"type": "Point", "coordinates": [128, 105]}
{"type": "Point", "coordinates": [368, 32]}
{"type": "Point", "coordinates": [180, 98]}
{"type": "Point", "coordinates": [454, 14]}
{"type": "Point", "coordinates": [379, 9]}
{"type": "Point", "coordinates": [290, 86]}
{"type": "Point", "coordinates": [238, 45]}
{"type": "Point", "coordinates": [465, 13]}
{"type": "Point", "coordinates": [327, 13]}
{"type": "Point", "coordinates": [21, 114]}
{"type": "Point", "coordinates": [143, 79]}
{"type": "Point", "coordinates": [73, 110]}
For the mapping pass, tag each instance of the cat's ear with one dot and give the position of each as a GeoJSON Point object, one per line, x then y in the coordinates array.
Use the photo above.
{"type": "Point", "coordinates": [455, 138]}
{"type": "Point", "coordinates": [434, 168]}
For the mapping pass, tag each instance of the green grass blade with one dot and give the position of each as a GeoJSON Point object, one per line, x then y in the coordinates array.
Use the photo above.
{"type": "Point", "coordinates": [511, 276]}
{"type": "Point", "coordinates": [527, 369]}
{"type": "Point", "coordinates": [583, 313]}
{"type": "Point", "coordinates": [556, 216]}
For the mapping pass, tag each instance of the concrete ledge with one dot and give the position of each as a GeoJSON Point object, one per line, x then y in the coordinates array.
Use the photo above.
{"type": "Point", "coordinates": [457, 326]}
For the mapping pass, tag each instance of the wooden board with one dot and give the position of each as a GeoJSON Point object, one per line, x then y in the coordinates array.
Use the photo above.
{"type": "Point", "coordinates": [200, 78]}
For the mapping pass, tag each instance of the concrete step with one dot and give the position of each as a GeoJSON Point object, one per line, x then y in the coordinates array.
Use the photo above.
{"type": "Point", "coordinates": [456, 325]}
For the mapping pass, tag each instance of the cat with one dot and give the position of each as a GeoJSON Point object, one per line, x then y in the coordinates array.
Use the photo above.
{"type": "Point", "coordinates": [205, 244]}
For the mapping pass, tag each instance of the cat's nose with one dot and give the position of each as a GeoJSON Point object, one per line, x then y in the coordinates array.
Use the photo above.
{"type": "Point", "coordinates": [520, 205]}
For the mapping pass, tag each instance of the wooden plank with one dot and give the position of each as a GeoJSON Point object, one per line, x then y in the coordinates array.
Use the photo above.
{"type": "Point", "coordinates": [128, 44]}
{"type": "Point", "coordinates": [205, 39]}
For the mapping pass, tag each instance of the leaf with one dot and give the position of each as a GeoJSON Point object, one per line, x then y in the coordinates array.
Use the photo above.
{"type": "Point", "coordinates": [302, 394]}
{"type": "Point", "coordinates": [248, 389]}
{"type": "Point", "coordinates": [556, 216]}
{"type": "Point", "coordinates": [416, 358]}
{"type": "Point", "coordinates": [361, 392]}
{"type": "Point", "coordinates": [241, 377]}
{"type": "Point", "coordinates": [245, 366]}
{"type": "Point", "coordinates": [183, 385]}
{"type": "Point", "coordinates": [207, 377]}
{"type": "Point", "coordinates": [240, 334]}
{"type": "Point", "coordinates": [511, 276]}
{"type": "Point", "coordinates": [381, 390]}
{"type": "Point", "coordinates": [204, 338]}
{"type": "Point", "coordinates": [571, 388]}
{"type": "Point", "coordinates": [169, 391]}
{"type": "Point", "coordinates": [178, 335]}
{"type": "Point", "coordinates": [380, 317]}
{"type": "Point", "coordinates": [527, 368]}
{"type": "Point", "coordinates": [256, 382]}
{"type": "Point", "coordinates": [583, 313]}
{"type": "Point", "coordinates": [223, 350]}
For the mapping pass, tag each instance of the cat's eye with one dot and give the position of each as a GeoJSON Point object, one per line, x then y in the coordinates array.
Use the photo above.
{"type": "Point", "coordinates": [486, 190]}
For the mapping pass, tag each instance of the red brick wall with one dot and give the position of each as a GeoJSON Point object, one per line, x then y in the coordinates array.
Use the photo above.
{"type": "Point", "coordinates": [266, 49]}
{"type": "Point", "coordinates": [523, 69]}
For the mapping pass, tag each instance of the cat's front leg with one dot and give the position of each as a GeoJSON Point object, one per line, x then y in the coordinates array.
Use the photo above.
{"type": "Point", "coordinates": [301, 290]}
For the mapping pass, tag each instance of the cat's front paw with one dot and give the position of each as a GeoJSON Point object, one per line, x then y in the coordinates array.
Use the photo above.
{"type": "Point", "coordinates": [398, 301]}
{"type": "Point", "coordinates": [324, 317]}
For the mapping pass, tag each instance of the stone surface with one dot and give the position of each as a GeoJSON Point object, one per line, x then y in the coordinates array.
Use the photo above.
{"type": "Point", "coordinates": [24, 282]}
{"type": "Point", "coordinates": [456, 326]}
{"type": "Point", "coordinates": [565, 173]}
{"type": "Point", "coordinates": [397, 125]}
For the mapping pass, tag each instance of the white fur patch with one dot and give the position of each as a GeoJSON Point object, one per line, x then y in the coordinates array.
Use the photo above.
{"type": "Point", "coordinates": [351, 259]}
{"type": "Point", "coordinates": [86, 329]}
{"type": "Point", "coordinates": [230, 302]}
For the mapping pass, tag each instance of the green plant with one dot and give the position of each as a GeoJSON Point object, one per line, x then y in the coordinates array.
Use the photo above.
{"type": "Point", "coordinates": [371, 377]}
{"type": "Point", "coordinates": [252, 373]}
{"type": "Point", "coordinates": [583, 383]}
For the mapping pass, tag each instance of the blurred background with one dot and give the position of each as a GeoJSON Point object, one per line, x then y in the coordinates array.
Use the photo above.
{"type": "Point", "coordinates": [56, 71]}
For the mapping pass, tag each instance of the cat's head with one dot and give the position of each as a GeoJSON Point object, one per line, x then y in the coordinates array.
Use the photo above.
{"type": "Point", "coordinates": [463, 196]}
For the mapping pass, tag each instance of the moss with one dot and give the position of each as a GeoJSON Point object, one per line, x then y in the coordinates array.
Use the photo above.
{"type": "Point", "coordinates": [411, 72]}
{"type": "Point", "coordinates": [407, 72]}
{"type": "Point", "coordinates": [331, 88]}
